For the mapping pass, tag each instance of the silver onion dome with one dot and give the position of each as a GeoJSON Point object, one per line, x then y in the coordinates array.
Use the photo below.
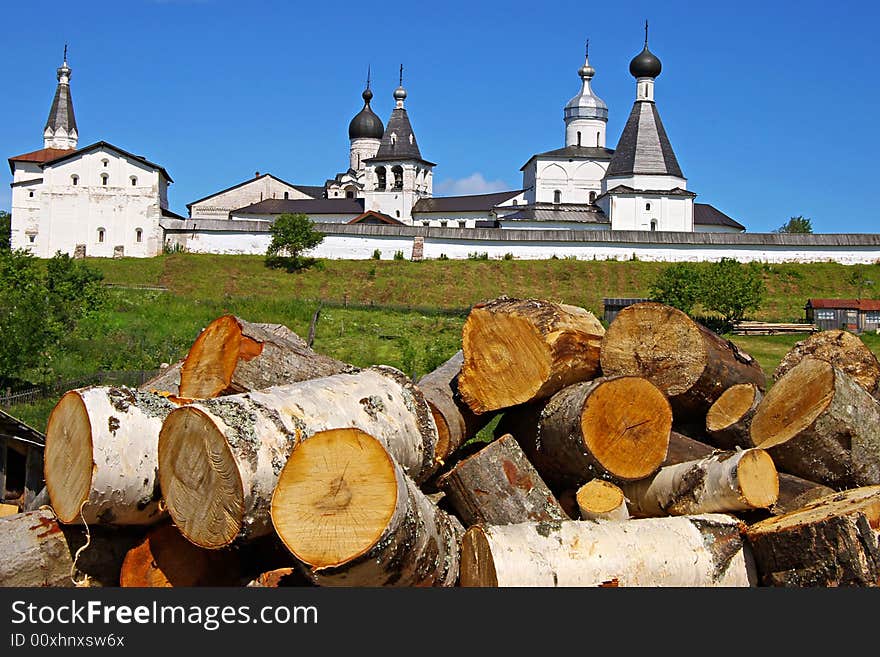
{"type": "Point", "coordinates": [586, 105]}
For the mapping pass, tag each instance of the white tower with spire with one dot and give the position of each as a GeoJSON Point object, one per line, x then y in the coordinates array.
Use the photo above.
{"type": "Point", "coordinates": [60, 130]}
{"type": "Point", "coordinates": [586, 115]}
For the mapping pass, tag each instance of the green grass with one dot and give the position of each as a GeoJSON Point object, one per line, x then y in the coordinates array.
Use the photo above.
{"type": "Point", "coordinates": [140, 329]}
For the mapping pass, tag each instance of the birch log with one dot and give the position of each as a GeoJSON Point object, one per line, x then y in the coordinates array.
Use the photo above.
{"type": "Point", "coordinates": [729, 418]}
{"type": "Point", "coordinates": [832, 541]}
{"type": "Point", "coordinates": [521, 350]}
{"type": "Point", "coordinates": [723, 482]}
{"type": "Point", "coordinates": [346, 509]}
{"type": "Point", "coordinates": [164, 558]}
{"type": "Point", "coordinates": [35, 551]}
{"type": "Point", "coordinates": [166, 382]}
{"type": "Point", "coordinates": [101, 451]}
{"type": "Point", "coordinates": [818, 423]}
{"type": "Point", "coordinates": [498, 486]}
{"type": "Point", "coordinates": [612, 428]}
{"type": "Point", "coordinates": [843, 349]}
{"type": "Point", "coordinates": [684, 551]}
{"type": "Point", "coordinates": [219, 459]}
{"type": "Point", "coordinates": [456, 423]}
{"type": "Point", "coordinates": [233, 356]}
{"type": "Point", "coordinates": [794, 492]}
{"type": "Point", "coordinates": [602, 500]}
{"type": "Point", "coordinates": [689, 363]}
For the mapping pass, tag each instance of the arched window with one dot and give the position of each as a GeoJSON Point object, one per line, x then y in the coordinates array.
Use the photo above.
{"type": "Point", "coordinates": [138, 235]}
{"type": "Point", "coordinates": [557, 196]}
{"type": "Point", "coordinates": [74, 180]}
{"type": "Point", "coordinates": [397, 170]}
{"type": "Point", "coordinates": [105, 162]}
{"type": "Point", "coordinates": [380, 177]}
{"type": "Point", "coordinates": [286, 196]}
{"type": "Point", "coordinates": [647, 207]}
{"type": "Point", "coordinates": [397, 212]}
{"type": "Point", "coordinates": [592, 197]}
{"type": "Point", "coordinates": [105, 179]}
{"type": "Point", "coordinates": [597, 139]}
{"type": "Point", "coordinates": [653, 224]}
{"type": "Point", "coordinates": [579, 137]}
{"type": "Point", "coordinates": [100, 235]}
{"type": "Point", "coordinates": [134, 181]}
{"type": "Point", "coordinates": [31, 194]}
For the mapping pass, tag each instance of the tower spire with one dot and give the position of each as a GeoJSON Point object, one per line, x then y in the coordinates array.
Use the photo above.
{"type": "Point", "coordinates": [60, 129]}
{"type": "Point", "coordinates": [400, 92]}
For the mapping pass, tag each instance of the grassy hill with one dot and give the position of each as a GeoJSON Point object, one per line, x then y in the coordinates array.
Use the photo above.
{"type": "Point", "coordinates": [405, 314]}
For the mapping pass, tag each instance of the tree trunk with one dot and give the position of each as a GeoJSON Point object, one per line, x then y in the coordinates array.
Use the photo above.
{"type": "Point", "coordinates": [498, 486]}
{"type": "Point", "coordinates": [233, 356]}
{"type": "Point", "coordinates": [722, 482]}
{"type": "Point", "coordinates": [164, 558]}
{"type": "Point", "coordinates": [601, 500]}
{"type": "Point", "coordinates": [34, 550]}
{"type": "Point", "coordinates": [794, 492]}
{"type": "Point", "coordinates": [685, 551]}
{"type": "Point", "coordinates": [219, 459]}
{"type": "Point", "coordinates": [166, 382]}
{"type": "Point", "coordinates": [101, 450]}
{"type": "Point", "coordinates": [843, 349]}
{"type": "Point", "coordinates": [830, 542]}
{"type": "Point", "coordinates": [346, 509]}
{"type": "Point", "coordinates": [688, 362]}
{"type": "Point", "coordinates": [521, 350]}
{"type": "Point", "coordinates": [818, 423]}
{"type": "Point", "coordinates": [611, 427]}
{"type": "Point", "coordinates": [456, 424]}
{"type": "Point", "coordinates": [729, 418]}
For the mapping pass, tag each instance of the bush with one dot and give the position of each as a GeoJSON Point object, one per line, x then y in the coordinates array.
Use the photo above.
{"type": "Point", "coordinates": [679, 285]}
{"type": "Point", "coordinates": [478, 256]}
{"type": "Point", "coordinates": [292, 236]}
{"type": "Point", "coordinates": [443, 256]}
{"type": "Point", "coordinates": [377, 255]}
{"type": "Point", "coordinates": [508, 256]}
{"type": "Point", "coordinates": [398, 255]}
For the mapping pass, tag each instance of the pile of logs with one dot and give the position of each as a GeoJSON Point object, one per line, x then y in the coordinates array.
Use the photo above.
{"type": "Point", "coordinates": [651, 453]}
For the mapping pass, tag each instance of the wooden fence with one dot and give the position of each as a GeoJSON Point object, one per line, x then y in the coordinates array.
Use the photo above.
{"type": "Point", "coordinates": [133, 378]}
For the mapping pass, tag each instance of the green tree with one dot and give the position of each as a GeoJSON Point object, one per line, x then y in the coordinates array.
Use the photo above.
{"type": "Point", "coordinates": [5, 230]}
{"type": "Point", "coordinates": [859, 281]}
{"type": "Point", "coordinates": [799, 224]}
{"type": "Point", "coordinates": [39, 306]}
{"type": "Point", "coordinates": [731, 289]}
{"type": "Point", "coordinates": [292, 236]}
{"type": "Point", "coordinates": [678, 285]}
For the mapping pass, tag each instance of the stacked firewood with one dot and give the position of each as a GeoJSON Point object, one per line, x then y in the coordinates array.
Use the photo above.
{"type": "Point", "coordinates": [650, 453]}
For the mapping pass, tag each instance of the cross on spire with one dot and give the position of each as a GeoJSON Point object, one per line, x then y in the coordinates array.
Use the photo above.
{"type": "Point", "coordinates": [401, 75]}
{"type": "Point", "coordinates": [646, 32]}
{"type": "Point", "coordinates": [65, 53]}
{"type": "Point", "coordinates": [368, 76]}
{"type": "Point", "coordinates": [587, 50]}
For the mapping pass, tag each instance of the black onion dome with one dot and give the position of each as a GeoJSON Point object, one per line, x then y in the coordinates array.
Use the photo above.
{"type": "Point", "coordinates": [645, 65]}
{"type": "Point", "coordinates": [365, 124]}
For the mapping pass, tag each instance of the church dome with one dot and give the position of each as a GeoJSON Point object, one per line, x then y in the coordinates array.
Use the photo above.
{"type": "Point", "coordinates": [365, 124]}
{"type": "Point", "coordinates": [586, 105]}
{"type": "Point", "coordinates": [645, 64]}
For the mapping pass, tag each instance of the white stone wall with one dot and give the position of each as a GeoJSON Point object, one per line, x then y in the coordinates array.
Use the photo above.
{"type": "Point", "coordinates": [253, 191]}
{"type": "Point", "coordinates": [592, 132]}
{"type": "Point", "coordinates": [637, 212]}
{"type": "Point", "coordinates": [645, 181]}
{"type": "Point", "coordinates": [269, 218]}
{"type": "Point", "coordinates": [62, 214]}
{"type": "Point", "coordinates": [575, 180]}
{"type": "Point", "coordinates": [360, 150]}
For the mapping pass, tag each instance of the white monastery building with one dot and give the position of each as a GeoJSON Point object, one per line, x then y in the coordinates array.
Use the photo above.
{"type": "Point", "coordinates": [99, 200]}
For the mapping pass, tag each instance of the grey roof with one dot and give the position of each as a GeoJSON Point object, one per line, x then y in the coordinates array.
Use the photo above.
{"type": "Point", "coordinates": [354, 206]}
{"type": "Point", "coordinates": [575, 152]}
{"type": "Point", "coordinates": [626, 189]}
{"type": "Point", "coordinates": [315, 191]}
{"type": "Point", "coordinates": [403, 146]}
{"type": "Point", "coordinates": [564, 212]}
{"type": "Point", "coordinates": [61, 112]}
{"type": "Point", "coordinates": [707, 215]}
{"type": "Point", "coordinates": [470, 203]}
{"type": "Point", "coordinates": [644, 147]}
{"type": "Point", "coordinates": [12, 427]}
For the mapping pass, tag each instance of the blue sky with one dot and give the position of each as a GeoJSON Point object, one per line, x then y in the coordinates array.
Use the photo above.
{"type": "Point", "coordinates": [770, 106]}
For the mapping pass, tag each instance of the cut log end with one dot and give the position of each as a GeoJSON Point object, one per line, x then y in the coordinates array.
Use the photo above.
{"type": "Point", "coordinates": [491, 342]}
{"type": "Point", "coordinates": [630, 346]}
{"type": "Point", "coordinates": [758, 479]}
{"type": "Point", "coordinates": [598, 498]}
{"type": "Point", "coordinates": [212, 359]}
{"type": "Point", "coordinates": [444, 435]}
{"type": "Point", "coordinates": [334, 497]}
{"type": "Point", "coordinates": [67, 462]}
{"type": "Point", "coordinates": [793, 403]}
{"type": "Point", "coordinates": [477, 566]}
{"type": "Point", "coordinates": [199, 479]}
{"type": "Point", "coordinates": [625, 423]}
{"type": "Point", "coordinates": [731, 406]}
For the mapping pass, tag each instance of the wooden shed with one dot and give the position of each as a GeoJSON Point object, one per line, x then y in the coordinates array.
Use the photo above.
{"type": "Point", "coordinates": [856, 315]}
{"type": "Point", "coordinates": [21, 463]}
{"type": "Point", "coordinates": [612, 306]}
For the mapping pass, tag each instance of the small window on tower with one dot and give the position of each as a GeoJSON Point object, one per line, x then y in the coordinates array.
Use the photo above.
{"type": "Point", "coordinates": [557, 196]}
{"type": "Point", "coordinates": [31, 238]}
{"type": "Point", "coordinates": [100, 235]}
{"type": "Point", "coordinates": [105, 179]}
{"type": "Point", "coordinates": [74, 180]}
{"type": "Point", "coordinates": [579, 137]}
{"type": "Point", "coordinates": [31, 193]}
{"type": "Point", "coordinates": [134, 181]}
{"type": "Point", "coordinates": [653, 224]}
{"type": "Point", "coordinates": [597, 140]}
{"type": "Point", "coordinates": [592, 197]}
{"type": "Point", "coordinates": [139, 235]}
{"type": "Point", "coordinates": [105, 162]}
{"type": "Point", "coordinates": [648, 207]}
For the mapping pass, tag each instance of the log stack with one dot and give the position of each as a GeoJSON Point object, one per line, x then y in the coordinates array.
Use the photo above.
{"type": "Point", "coordinates": [652, 453]}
